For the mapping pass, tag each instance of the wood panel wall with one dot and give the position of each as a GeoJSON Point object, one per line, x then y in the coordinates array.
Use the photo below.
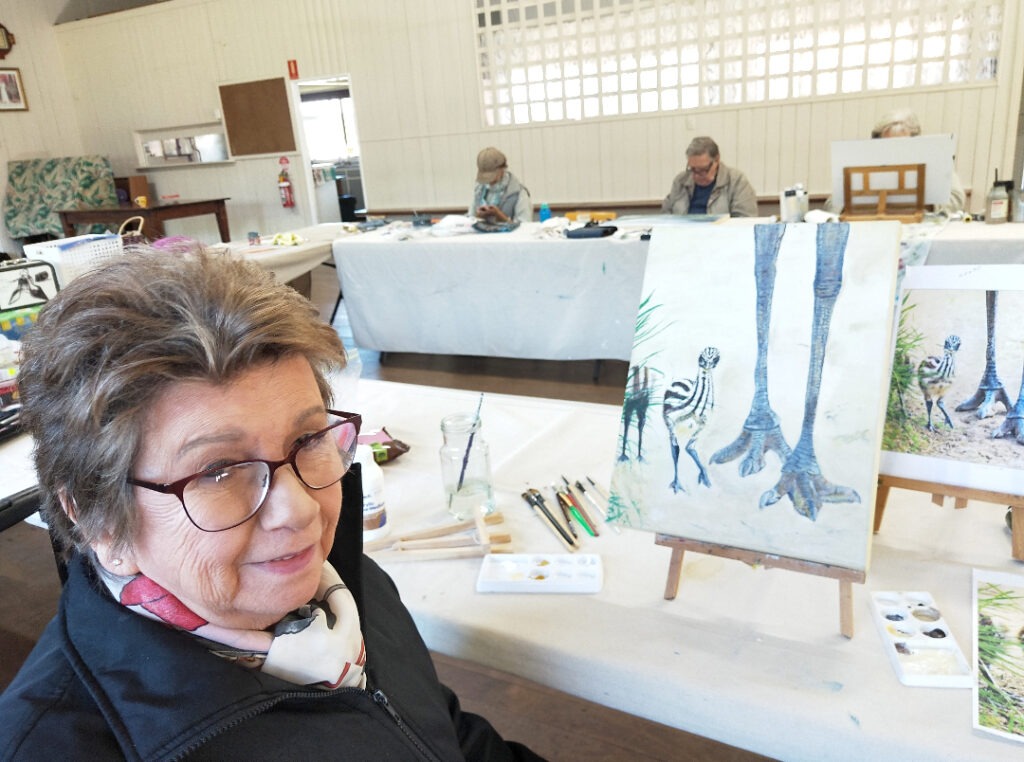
{"type": "Point", "coordinates": [412, 68]}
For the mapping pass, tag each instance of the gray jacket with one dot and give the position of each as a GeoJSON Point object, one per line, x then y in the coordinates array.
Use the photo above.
{"type": "Point", "coordinates": [733, 194]}
{"type": "Point", "coordinates": [515, 201]}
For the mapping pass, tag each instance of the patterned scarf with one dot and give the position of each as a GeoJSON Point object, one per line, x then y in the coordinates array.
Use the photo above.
{"type": "Point", "coordinates": [490, 195]}
{"type": "Point", "coordinates": [319, 644]}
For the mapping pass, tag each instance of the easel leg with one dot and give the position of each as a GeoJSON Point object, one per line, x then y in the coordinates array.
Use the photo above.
{"type": "Point", "coordinates": [1017, 530]}
{"type": "Point", "coordinates": [881, 498]}
{"type": "Point", "coordinates": [675, 569]}
{"type": "Point", "coordinates": [846, 607]}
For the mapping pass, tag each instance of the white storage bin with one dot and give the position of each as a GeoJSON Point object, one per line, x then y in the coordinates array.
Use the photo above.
{"type": "Point", "coordinates": [71, 257]}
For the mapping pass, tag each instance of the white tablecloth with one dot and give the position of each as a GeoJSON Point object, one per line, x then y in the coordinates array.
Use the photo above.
{"type": "Point", "coordinates": [971, 243]}
{"type": "Point", "coordinates": [499, 294]}
{"type": "Point", "coordinates": [289, 262]}
{"type": "Point", "coordinates": [750, 657]}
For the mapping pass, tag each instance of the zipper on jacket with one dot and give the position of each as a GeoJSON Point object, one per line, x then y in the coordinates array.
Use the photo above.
{"type": "Point", "coordinates": [381, 699]}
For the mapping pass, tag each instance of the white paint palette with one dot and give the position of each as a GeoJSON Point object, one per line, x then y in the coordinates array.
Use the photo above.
{"type": "Point", "coordinates": [920, 645]}
{"type": "Point", "coordinates": [540, 573]}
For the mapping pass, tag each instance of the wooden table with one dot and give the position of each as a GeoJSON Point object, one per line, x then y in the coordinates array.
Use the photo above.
{"type": "Point", "coordinates": [153, 216]}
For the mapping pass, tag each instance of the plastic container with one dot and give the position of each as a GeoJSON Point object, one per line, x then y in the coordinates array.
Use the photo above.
{"type": "Point", "coordinates": [74, 256]}
{"type": "Point", "coordinates": [375, 514]}
{"type": "Point", "coordinates": [544, 213]}
{"type": "Point", "coordinates": [997, 203]}
{"type": "Point", "coordinates": [465, 467]}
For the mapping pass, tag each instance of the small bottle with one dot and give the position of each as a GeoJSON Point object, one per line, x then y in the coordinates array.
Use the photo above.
{"type": "Point", "coordinates": [997, 203]}
{"type": "Point", "coordinates": [465, 467]}
{"type": "Point", "coordinates": [375, 515]}
{"type": "Point", "coordinates": [544, 213]}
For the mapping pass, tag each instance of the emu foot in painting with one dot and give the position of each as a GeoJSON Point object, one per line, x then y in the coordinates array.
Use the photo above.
{"type": "Point", "coordinates": [676, 486]}
{"type": "Point", "coordinates": [808, 492]}
{"type": "Point", "coordinates": [752, 444]}
{"type": "Point", "coordinates": [984, 401]}
{"type": "Point", "coordinates": [1012, 426]}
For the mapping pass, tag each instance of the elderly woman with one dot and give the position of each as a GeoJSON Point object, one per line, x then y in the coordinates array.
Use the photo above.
{"type": "Point", "coordinates": [193, 463]}
{"type": "Point", "coordinates": [903, 123]}
{"type": "Point", "coordinates": [498, 196]}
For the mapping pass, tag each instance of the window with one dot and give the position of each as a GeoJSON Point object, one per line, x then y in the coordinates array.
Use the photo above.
{"type": "Point", "coordinates": [552, 60]}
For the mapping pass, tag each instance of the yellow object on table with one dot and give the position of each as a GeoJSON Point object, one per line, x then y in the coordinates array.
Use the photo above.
{"type": "Point", "coordinates": [590, 216]}
{"type": "Point", "coordinates": [287, 239]}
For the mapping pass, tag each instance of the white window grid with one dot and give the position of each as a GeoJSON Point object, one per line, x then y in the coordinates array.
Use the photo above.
{"type": "Point", "coordinates": [555, 60]}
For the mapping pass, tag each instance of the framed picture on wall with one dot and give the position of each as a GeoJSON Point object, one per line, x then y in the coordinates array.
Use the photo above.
{"type": "Point", "coordinates": [12, 91]}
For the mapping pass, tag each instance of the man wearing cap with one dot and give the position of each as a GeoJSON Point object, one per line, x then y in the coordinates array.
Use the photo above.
{"type": "Point", "coordinates": [498, 195]}
{"type": "Point", "coordinates": [707, 186]}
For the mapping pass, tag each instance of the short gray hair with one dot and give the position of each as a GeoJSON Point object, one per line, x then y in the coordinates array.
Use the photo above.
{"type": "Point", "coordinates": [901, 117]}
{"type": "Point", "coordinates": [115, 338]}
{"type": "Point", "coordinates": [702, 145]}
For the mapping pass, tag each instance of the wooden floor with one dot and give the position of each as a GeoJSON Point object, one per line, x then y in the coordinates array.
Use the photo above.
{"type": "Point", "coordinates": [555, 725]}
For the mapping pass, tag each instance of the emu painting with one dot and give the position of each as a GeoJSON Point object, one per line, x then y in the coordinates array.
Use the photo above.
{"type": "Point", "coordinates": [774, 365]}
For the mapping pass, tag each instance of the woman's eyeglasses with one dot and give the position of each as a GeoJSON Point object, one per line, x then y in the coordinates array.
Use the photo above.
{"type": "Point", "coordinates": [225, 496]}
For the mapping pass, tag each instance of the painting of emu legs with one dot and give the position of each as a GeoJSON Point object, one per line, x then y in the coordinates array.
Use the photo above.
{"type": "Point", "coordinates": [990, 388]}
{"type": "Point", "coordinates": [801, 477]}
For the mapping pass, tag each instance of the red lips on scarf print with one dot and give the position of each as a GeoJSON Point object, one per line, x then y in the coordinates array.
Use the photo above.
{"type": "Point", "coordinates": [144, 592]}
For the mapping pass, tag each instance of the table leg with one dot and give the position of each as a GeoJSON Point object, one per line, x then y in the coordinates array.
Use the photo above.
{"type": "Point", "coordinates": [69, 228]}
{"type": "Point", "coordinates": [222, 222]}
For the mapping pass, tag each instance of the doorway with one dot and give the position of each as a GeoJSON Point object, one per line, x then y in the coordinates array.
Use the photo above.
{"type": "Point", "coordinates": [332, 143]}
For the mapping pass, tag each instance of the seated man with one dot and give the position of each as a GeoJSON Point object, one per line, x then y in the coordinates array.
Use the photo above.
{"type": "Point", "coordinates": [708, 186]}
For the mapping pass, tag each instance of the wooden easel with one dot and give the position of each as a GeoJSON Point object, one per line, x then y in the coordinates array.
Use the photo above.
{"type": "Point", "coordinates": [846, 577]}
{"type": "Point", "coordinates": [882, 209]}
{"type": "Point", "coordinates": [960, 495]}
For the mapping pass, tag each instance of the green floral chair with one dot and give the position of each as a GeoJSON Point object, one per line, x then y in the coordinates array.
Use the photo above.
{"type": "Point", "coordinates": [36, 188]}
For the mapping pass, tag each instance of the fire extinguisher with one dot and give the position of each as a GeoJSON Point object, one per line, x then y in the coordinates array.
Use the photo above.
{"type": "Point", "coordinates": [285, 186]}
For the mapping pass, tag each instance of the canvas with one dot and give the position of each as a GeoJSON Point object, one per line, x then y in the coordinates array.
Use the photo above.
{"type": "Point", "coordinates": [753, 408]}
{"type": "Point", "coordinates": [998, 610]}
{"type": "Point", "coordinates": [961, 351]}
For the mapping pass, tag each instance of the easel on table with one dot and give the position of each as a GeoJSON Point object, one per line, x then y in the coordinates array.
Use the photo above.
{"type": "Point", "coordinates": [846, 577]}
{"type": "Point", "coordinates": [882, 209]}
{"type": "Point", "coordinates": [960, 495]}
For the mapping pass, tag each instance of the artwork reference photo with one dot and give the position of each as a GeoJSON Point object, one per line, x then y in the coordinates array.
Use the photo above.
{"type": "Point", "coordinates": [955, 411]}
{"type": "Point", "coordinates": [753, 408]}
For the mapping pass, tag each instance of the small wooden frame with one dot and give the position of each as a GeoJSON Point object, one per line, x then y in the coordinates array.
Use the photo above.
{"type": "Point", "coordinates": [846, 577]}
{"type": "Point", "coordinates": [882, 209]}
{"type": "Point", "coordinates": [960, 495]}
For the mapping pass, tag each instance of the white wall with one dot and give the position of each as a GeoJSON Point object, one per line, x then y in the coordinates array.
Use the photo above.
{"type": "Point", "coordinates": [412, 66]}
{"type": "Point", "coordinates": [49, 127]}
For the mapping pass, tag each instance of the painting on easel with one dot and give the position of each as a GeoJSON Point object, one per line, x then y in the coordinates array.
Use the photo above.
{"type": "Point", "coordinates": [999, 653]}
{"type": "Point", "coordinates": [954, 414]}
{"type": "Point", "coordinates": [753, 407]}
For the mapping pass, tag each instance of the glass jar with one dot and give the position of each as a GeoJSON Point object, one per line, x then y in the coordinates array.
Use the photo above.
{"type": "Point", "coordinates": [465, 467]}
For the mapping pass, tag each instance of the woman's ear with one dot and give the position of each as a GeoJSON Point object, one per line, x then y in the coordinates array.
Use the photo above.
{"type": "Point", "coordinates": [119, 563]}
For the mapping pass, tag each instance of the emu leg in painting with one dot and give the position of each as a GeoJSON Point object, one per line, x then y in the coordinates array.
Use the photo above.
{"type": "Point", "coordinates": [638, 398]}
{"type": "Point", "coordinates": [990, 388]}
{"type": "Point", "coordinates": [761, 431]}
{"type": "Point", "coordinates": [801, 477]}
{"type": "Point", "coordinates": [1013, 424]}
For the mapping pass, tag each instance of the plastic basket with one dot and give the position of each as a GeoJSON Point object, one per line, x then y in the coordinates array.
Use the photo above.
{"type": "Point", "coordinates": [74, 256]}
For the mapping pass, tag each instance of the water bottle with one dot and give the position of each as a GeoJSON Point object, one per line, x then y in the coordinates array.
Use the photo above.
{"type": "Point", "coordinates": [544, 213]}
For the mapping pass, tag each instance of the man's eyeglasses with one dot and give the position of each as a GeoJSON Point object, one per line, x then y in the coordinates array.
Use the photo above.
{"type": "Point", "coordinates": [227, 495]}
{"type": "Point", "coordinates": [704, 170]}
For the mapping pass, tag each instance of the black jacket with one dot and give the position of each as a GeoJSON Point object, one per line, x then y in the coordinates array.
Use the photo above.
{"type": "Point", "coordinates": [106, 683]}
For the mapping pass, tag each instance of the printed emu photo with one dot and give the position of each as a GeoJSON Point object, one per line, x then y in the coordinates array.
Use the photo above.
{"type": "Point", "coordinates": [999, 653]}
{"type": "Point", "coordinates": [955, 411]}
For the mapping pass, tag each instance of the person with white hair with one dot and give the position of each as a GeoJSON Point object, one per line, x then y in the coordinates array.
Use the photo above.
{"type": "Point", "coordinates": [903, 123]}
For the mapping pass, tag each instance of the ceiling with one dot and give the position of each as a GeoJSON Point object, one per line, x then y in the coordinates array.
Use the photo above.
{"type": "Point", "coordinates": [75, 10]}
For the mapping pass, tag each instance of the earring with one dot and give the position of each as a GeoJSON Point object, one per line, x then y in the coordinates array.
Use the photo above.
{"type": "Point", "coordinates": [117, 562]}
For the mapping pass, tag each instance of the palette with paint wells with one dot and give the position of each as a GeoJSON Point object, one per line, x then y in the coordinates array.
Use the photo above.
{"type": "Point", "coordinates": [921, 646]}
{"type": "Point", "coordinates": [540, 573]}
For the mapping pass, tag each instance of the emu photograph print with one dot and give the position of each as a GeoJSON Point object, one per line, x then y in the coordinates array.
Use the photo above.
{"type": "Point", "coordinates": [754, 401]}
{"type": "Point", "coordinates": [955, 411]}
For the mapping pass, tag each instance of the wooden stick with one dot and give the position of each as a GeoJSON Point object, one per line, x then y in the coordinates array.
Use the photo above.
{"type": "Point", "coordinates": [431, 554]}
{"type": "Point", "coordinates": [438, 531]}
{"type": "Point", "coordinates": [459, 541]}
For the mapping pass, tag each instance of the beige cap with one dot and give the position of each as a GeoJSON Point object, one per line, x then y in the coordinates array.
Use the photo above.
{"type": "Point", "coordinates": [488, 162]}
